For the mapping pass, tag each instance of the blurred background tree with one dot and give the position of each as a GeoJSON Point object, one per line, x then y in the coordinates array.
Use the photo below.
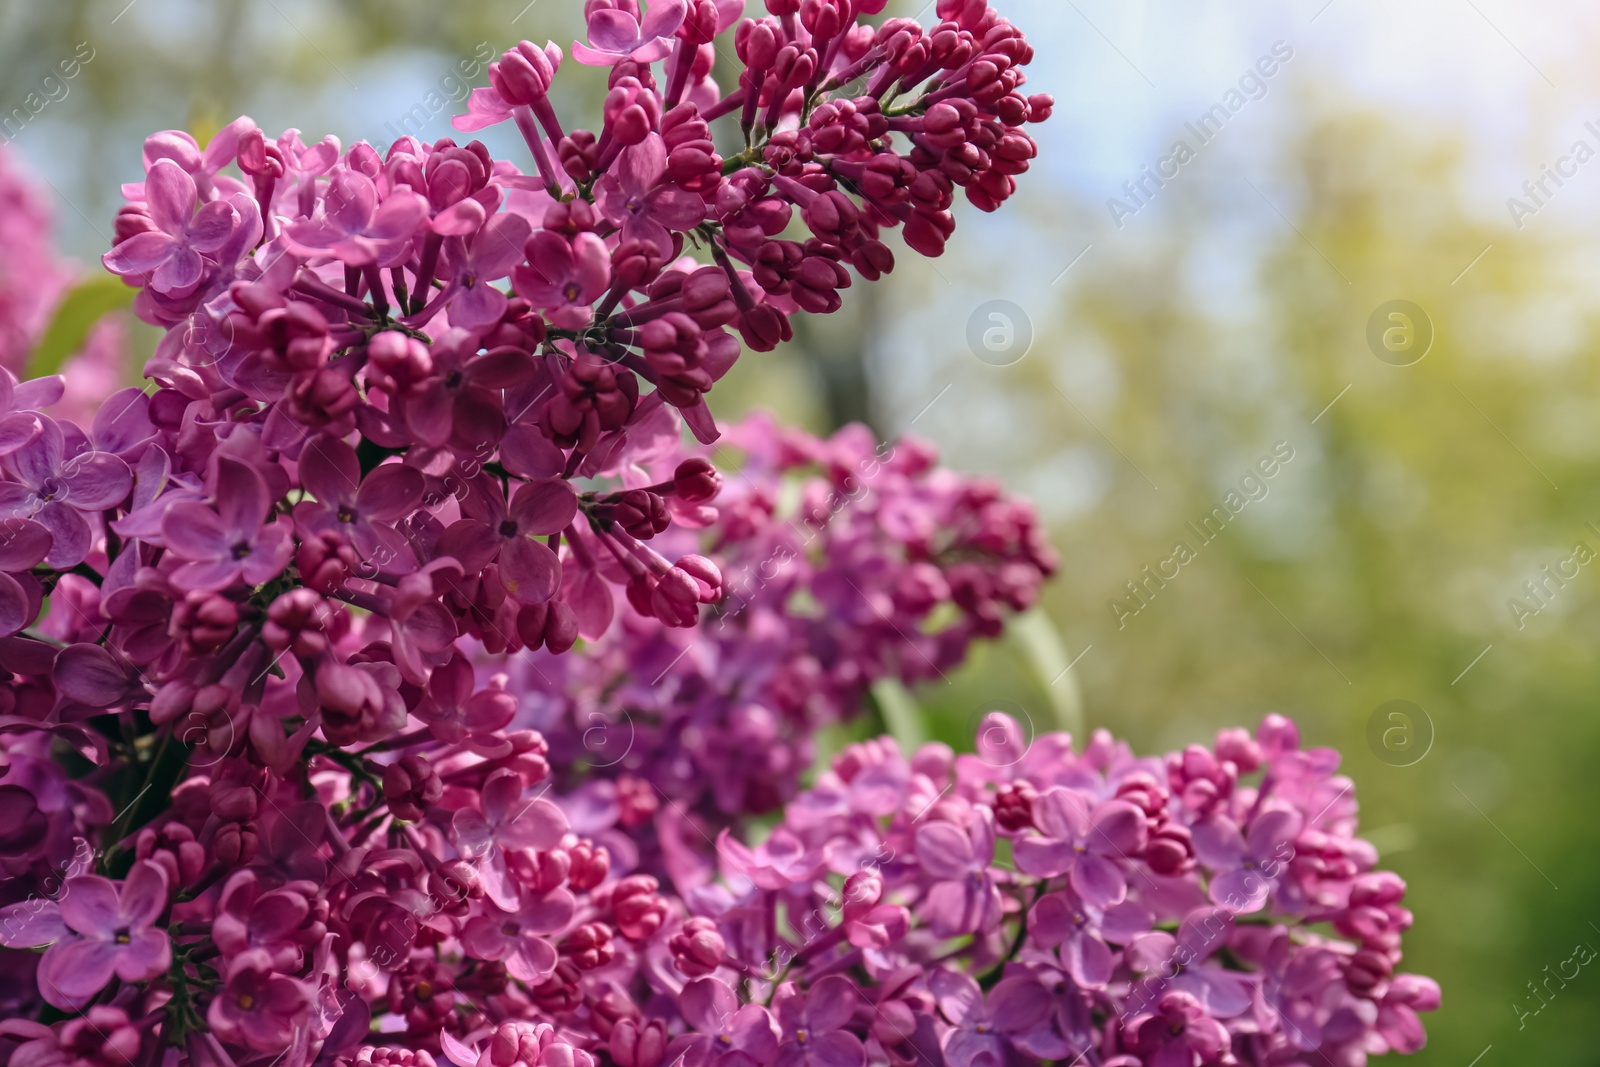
{"type": "Point", "coordinates": [1169, 355]}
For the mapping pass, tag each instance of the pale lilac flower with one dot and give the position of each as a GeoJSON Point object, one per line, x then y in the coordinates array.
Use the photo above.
{"type": "Point", "coordinates": [506, 822]}
{"type": "Point", "coordinates": [358, 227]}
{"type": "Point", "coordinates": [812, 1022]}
{"type": "Point", "coordinates": [232, 542]}
{"type": "Point", "coordinates": [106, 930]}
{"type": "Point", "coordinates": [1246, 865]}
{"type": "Point", "coordinates": [1179, 1033]}
{"type": "Point", "coordinates": [363, 511]}
{"type": "Point", "coordinates": [564, 278]}
{"type": "Point", "coordinates": [517, 936]}
{"type": "Point", "coordinates": [172, 252]}
{"type": "Point", "coordinates": [57, 490]}
{"type": "Point", "coordinates": [963, 897]}
{"type": "Point", "coordinates": [616, 31]}
{"type": "Point", "coordinates": [1085, 840]}
{"type": "Point", "coordinates": [257, 1007]}
{"type": "Point", "coordinates": [728, 1035]}
{"type": "Point", "coordinates": [633, 196]}
{"type": "Point", "coordinates": [990, 1031]}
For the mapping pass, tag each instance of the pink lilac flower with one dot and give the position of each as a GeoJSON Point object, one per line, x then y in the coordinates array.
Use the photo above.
{"type": "Point", "coordinates": [104, 931]}
{"type": "Point", "coordinates": [617, 32]}
{"type": "Point", "coordinates": [728, 1034]}
{"type": "Point", "coordinates": [811, 1024]}
{"type": "Point", "coordinates": [171, 250]}
{"type": "Point", "coordinates": [634, 198]}
{"type": "Point", "coordinates": [231, 542]}
{"type": "Point", "coordinates": [60, 491]}
{"type": "Point", "coordinates": [1083, 839]}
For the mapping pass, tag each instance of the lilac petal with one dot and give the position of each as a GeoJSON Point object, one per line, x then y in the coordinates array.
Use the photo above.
{"type": "Point", "coordinates": [391, 492]}
{"type": "Point", "coordinates": [545, 507]}
{"type": "Point", "coordinates": [351, 200]}
{"type": "Point", "coordinates": [15, 610]}
{"type": "Point", "coordinates": [170, 192]}
{"type": "Point", "coordinates": [95, 481]}
{"type": "Point", "coordinates": [951, 908]}
{"type": "Point", "coordinates": [208, 575]}
{"type": "Point", "coordinates": [1117, 828]}
{"type": "Point", "coordinates": [461, 219]}
{"type": "Point", "coordinates": [530, 571]}
{"type": "Point", "coordinates": [663, 17]}
{"type": "Point", "coordinates": [181, 271]}
{"type": "Point", "coordinates": [705, 1003]}
{"type": "Point", "coordinates": [1087, 960]}
{"type": "Point", "coordinates": [612, 30]}
{"type": "Point", "coordinates": [944, 851]}
{"type": "Point", "coordinates": [123, 420]}
{"type": "Point", "coordinates": [476, 306]}
{"type": "Point", "coordinates": [23, 543]}
{"type": "Point", "coordinates": [212, 226]}
{"type": "Point", "coordinates": [31, 923]}
{"type": "Point", "coordinates": [1123, 922]}
{"type": "Point", "coordinates": [837, 1048]}
{"type": "Point", "coordinates": [147, 954]}
{"type": "Point", "coordinates": [193, 531]}
{"type": "Point", "coordinates": [1271, 829]}
{"type": "Point", "coordinates": [533, 960]}
{"type": "Point", "coordinates": [593, 57]}
{"type": "Point", "coordinates": [330, 471]}
{"type": "Point", "coordinates": [73, 971]}
{"type": "Point", "coordinates": [500, 794]}
{"type": "Point", "coordinates": [1062, 813]}
{"type": "Point", "coordinates": [754, 1033]}
{"type": "Point", "coordinates": [830, 1003]}
{"type": "Point", "coordinates": [69, 532]}
{"type": "Point", "coordinates": [969, 1049]}
{"type": "Point", "coordinates": [550, 912]}
{"type": "Point", "coordinates": [1218, 843]}
{"type": "Point", "coordinates": [677, 208]}
{"type": "Point", "coordinates": [91, 676]}
{"type": "Point", "coordinates": [590, 597]}
{"type": "Point", "coordinates": [498, 246]}
{"type": "Point", "coordinates": [431, 416]}
{"type": "Point", "coordinates": [473, 834]}
{"type": "Point", "coordinates": [90, 906]}
{"type": "Point", "coordinates": [652, 50]}
{"type": "Point", "coordinates": [484, 108]}
{"type": "Point", "coordinates": [1043, 857]}
{"type": "Point", "coordinates": [536, 823]}
{"type": "Point", "coordinates": [1017, 1005]}
{"type": "Point", "coordinates": [398, 216]}
{"type": "Point", "coordinates": [1240, 890]}
{"type": "Point", "coordinates": [269, 553]}
{"type": "Point", "coordinates": [140, 254]}
{"type": "Point", "coordinates": [38, 461]}
{"type": "Point", "coordinates": [471, 543]}
{"type": "Point", "coordinates": [1098, 880]}
{"type": "Point", "coordinates": [17, 429]}
{"type": "Point", "coordinates": [528, 453]}
{"type": "Point", "coordinates": [39, 393]}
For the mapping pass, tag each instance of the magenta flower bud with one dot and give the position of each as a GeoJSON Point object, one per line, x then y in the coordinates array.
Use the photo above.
{"type": "Point", "coordinates": [861, 893]}
{"type": "Point", "coordinates": [1170, 852]}
{"type": "Point", "coordinates": [295, 620]}
{"type": "Point", "coordinates": [632, 112]}
{"type": "Point", "coordinates": [697, 948]}
{"type": "Point", "coordinates": [410, 786]}
{"type": "Point", "coordinates": [325, 561]}
{"type": "Point", "coordinates": [697, 481]}
{"type": "Point", "coordinates": [204, 621]}
{"type": "Point", "coordinates": [589, 946]}
{"type": "Point", "coordinates": [636, 1044]}
{"type": "Point", "coordinates": [524, 73]}
{"type": "Point", "coordinates": [783, 7]}
{"type": "Point", "coordinates": [590, 863]}
{"type": "Point", "coordinates": [637, 907]}
{"type": "Point", "coordinates": [1013, 806]}
{"type": "Point", "coordinates": [397, 364]}
{"type": "Point", "coordinates": [173, 699]}
{"type": "Point", "coordinates": [1237, 746]}
{"type": "Point", "coordinates": [764, 328]}
{"type": "Point", "coordinates": [455, 883]}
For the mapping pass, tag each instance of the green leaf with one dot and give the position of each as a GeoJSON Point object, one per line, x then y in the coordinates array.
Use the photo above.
{"type": "Point", "coordinates": [84, 305]}
{"type": "Point", "coordinates": [902, 717]}
{"type": "Point", "coordinates": [1047, 654]}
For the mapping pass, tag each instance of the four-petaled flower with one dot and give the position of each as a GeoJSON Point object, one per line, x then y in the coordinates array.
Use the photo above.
{"type": "Point", "coordinates": [232, 542]}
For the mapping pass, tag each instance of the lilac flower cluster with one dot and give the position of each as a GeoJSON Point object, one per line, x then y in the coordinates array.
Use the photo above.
{"type": "Point", "coordinates": [303, 651]}
{"type": "Point", "coordinates": [844, 562]}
